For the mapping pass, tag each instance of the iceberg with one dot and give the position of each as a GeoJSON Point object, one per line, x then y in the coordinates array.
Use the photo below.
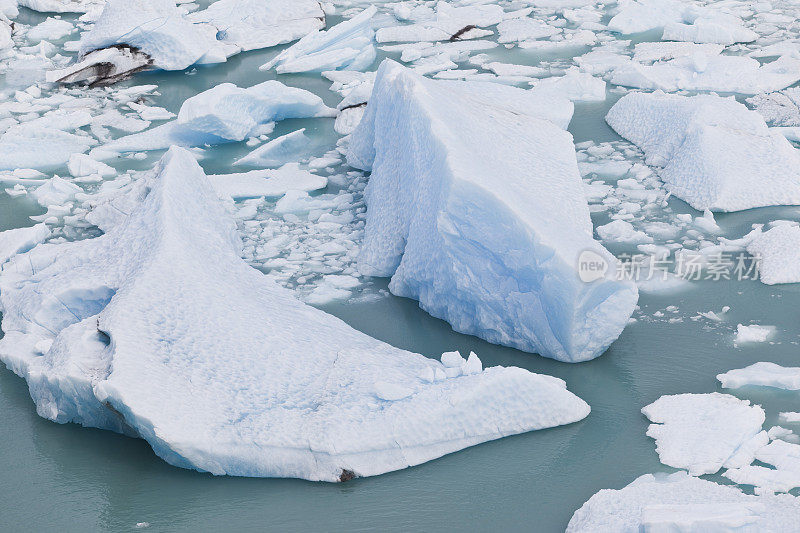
{"type": "Point", "coordinates": [778, 253]}
{"type": "Point", "coordinates": [267, 183]}
{"type": "Point", "coordinates": [701, 432]}
{"type": "Point", "coordinates": [715, 153]}
{"type": "Point", "coordinates": [449, 23]}
{"type": "Point", "coordinates": [61, 6]}
{"type": "Point", "coordinates": [19, 240]}
{"type": "Point", "coordinates": [20, 147]}
{"type": "Point", "coordinates": [347, 46]}
{"type": "Point", "coordinates": [224, 113]}
{"type": "Point", "coordinates": [156, 28]}
{"type": "Point", "coordinates": [252, 24]}
{"type": "Point", "coordinates": [762, 374]}
{"type": "Point", "coordinates": [678, 502]}
{"type": "Point", "coordinates": [710, 72]}
{"type": "Point", "coordinates": [277, 151]}
{"type": "Point", "coordinates": [784, 456]}
{"type": "Point", "coordinates": [159, 329]}
{"type": "Point", "coordinates": [475, 207]}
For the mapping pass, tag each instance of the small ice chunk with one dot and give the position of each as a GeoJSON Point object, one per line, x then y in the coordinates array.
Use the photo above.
{"type": "Point", "coordinates": [753, 333]}
{"type": "Point", "coordinates": [762, 374]}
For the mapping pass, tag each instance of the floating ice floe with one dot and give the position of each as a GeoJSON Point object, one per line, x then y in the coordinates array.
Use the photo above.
{"type": "Point", "coordinates": [277, 151]}
{"type": "Point", "coordinates": [453, 225]}
{"type": "Point", "coordinates": [778, 250]}
{"type": "Point", "coordinates": [779, 108]}
{"type": "Point", "coordinates": [448, 23]}
{"type": "Point", "coordinates": [348, 45]}
{"type": "Point", "coordinates": [678, 502]}
{"type": "Point", "coordinates": [681, 21]}
{"type": "Point", "coordinates": [156, 28]}
{"type": "Point", "coordinates": [61, 6]}
{"type": "Point", "coordinates": [704, 71]}
{"type": "Point", "coordinates": [716, 153]}
{"type": "Point", "coordinates": [253, 24]}
{"type": "Point", "coordinates": [225, 113]}
{"type": "Point", "coordinates": [16, 241]}
{"type": "Point", "coordinates": [103, 67]}
{"type": "Point", "coordinates": [21, 147]}
{"type": "Point", "coordinates": [785, 476]}
{"type": "Point", "coordinates": [575, 85]}
{"type": "Point", "coordinates": [269, 183]}
{"type": "Point", "coordinates": [753, 333]}
{"type": "Point", "coordinates": [762, 374]}
{"type": "Point", "coordinates": [702, 432]}
{"type": "Point", "coordinates": [158, 329]}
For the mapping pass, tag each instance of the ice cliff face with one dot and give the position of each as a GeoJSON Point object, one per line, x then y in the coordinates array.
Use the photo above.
{"type": "Point", "coordinates": [158, 329]}
{"type": "Point", "coordinates": [476, 209]}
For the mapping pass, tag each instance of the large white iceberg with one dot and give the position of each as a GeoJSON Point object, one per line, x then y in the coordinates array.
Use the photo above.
{"type": "Point", "coordinates": [476, 209]}
{"type": "Point", "coordinates": [159, 329]}
{"type": "Point", "coordinates": [716, 153]}
{"type": "Point", "coordinates": [678, 502]}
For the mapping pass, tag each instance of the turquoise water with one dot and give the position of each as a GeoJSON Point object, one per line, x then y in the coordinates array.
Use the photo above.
{"type": "Point", "coordinates": [76, 479]}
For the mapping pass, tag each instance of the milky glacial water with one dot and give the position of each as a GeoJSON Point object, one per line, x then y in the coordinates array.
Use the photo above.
{"type": "Point", "coordinates": [70, 478]}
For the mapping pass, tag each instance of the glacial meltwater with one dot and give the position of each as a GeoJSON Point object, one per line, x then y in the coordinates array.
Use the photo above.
{"type": "Point", "coordinates": [69, 478]}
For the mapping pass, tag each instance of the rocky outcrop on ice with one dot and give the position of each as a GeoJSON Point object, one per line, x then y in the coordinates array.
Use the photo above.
{"type": "Point", "coordinates": [128, 37]}
{"type": "Point", "coordinates": [454, 224]}
{"type": "Point", "coordinates": [446, 23]}
{"type": "Point", "coordinates": [347, 46]}
{"type": "Point", "coordinates": [678, 502]}
{"type": "Point", "coordinates": [715, 153]}
{"type": "Point", "coordinates": [156, 28]}
{"type": "Point", "coordinates": [224, 113]}
{"type": "Point", "coordinates": [709, 71]}
{"type": "Point", "coordinates": [103, 67]}
{"type": "Point", "coordinates": [158, 329]}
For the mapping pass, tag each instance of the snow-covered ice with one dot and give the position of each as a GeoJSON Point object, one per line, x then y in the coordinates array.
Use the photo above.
{"type": "Point", "coordinates": [778, 252]}
{"type": "Point", "coordinates": [19, 240]}
{"type": "Point", "coordinates": [252, 24]}
{"type": "Point", "coordinates": [157, 28]}
{"type": "Point", "coordinates": [762, 374]}
{"type": "Point", "coordinates": [678, 502]}
{"type": "Point", "coordinates": [715, 153]}
{"type": "Point", "coordinates": [448, 221]}
{"type": "Point", "coordinates": [224, 113]}
{"type": "Point", "coordinates": [269, 182]}
{"type": "Point", "coordinates": [158, 329]}
{"type": "Point", "coordinates": [348, 45]}
{"type": "Point", "coordinates": [701, 432]}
